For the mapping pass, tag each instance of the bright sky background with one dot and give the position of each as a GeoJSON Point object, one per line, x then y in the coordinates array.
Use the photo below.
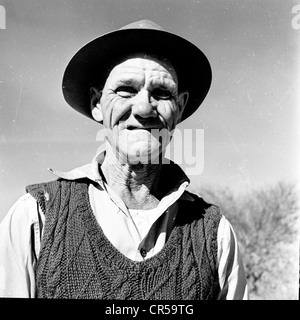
{"type": "Point", "coordinates": [250, 117]}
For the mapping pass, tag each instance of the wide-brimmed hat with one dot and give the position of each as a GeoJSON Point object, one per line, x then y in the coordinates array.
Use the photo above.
{"type": "Point", "coordinates": [91, 65]}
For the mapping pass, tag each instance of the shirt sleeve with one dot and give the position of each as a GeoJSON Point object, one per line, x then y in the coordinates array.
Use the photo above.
{"type": "Point", "coordinates": [232, 277]}
{"type": "Point", "coordinates": [19, 236]}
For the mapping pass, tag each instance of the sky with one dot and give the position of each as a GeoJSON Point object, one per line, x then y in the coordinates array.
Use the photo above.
{"type": "Point", "coordinates": [249, 119]}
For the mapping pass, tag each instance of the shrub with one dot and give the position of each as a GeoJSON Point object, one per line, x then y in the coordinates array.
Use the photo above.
{"type": "Point", "coordinates": [266, 224]}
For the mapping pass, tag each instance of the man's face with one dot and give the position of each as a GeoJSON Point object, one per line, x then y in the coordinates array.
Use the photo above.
{"type": "Point", "coordinates": [140, 108]}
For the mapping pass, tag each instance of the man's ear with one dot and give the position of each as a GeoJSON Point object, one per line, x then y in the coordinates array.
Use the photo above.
{"type": "Point", "coordinates": [95, 104]}
{"type": "Point", "coordinates": [182, 101]}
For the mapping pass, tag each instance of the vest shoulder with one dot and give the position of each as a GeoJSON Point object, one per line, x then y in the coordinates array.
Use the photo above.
{"type": "Point", "coordinates": [58, 183]}
{"type": "Point", "coordinates": [196, 208]}
{"type": "Point", "coordinates": [194, 200]}
{"type": "Point", "coordinates": [46, 191]}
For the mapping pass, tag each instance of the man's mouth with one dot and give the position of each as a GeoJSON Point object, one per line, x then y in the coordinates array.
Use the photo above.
{"type": "Point", "coordinates": [143, 128]}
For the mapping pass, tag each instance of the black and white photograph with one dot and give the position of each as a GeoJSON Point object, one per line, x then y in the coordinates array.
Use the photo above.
{"type": "Point", "coordinates": [149, 150]}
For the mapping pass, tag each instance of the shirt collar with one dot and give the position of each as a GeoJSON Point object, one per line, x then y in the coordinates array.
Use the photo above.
{"type": "Point", "coordinates": [91, 171]}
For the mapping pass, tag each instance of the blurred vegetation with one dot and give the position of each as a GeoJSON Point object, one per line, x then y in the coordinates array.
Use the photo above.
{"type": "Point", "coordinates": [266, 223]}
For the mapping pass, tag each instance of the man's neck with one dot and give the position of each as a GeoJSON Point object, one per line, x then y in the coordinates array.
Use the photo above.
{"type": "Point", "coordinates": [137, 185]}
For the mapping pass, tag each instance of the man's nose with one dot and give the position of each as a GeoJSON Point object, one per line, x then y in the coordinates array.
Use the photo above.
{"type": "Point", "coordinates": [142, 106]}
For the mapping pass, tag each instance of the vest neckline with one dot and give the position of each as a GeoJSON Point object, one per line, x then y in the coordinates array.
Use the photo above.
{"type": "Point", "coordinates": [170, 253]}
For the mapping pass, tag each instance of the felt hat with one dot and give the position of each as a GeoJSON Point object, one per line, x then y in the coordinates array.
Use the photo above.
{"type": "Point", "coordinates": [91, 65]}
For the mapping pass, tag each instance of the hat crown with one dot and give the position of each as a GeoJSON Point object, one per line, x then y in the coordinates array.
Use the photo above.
{"type": "Point", "coordinates": [143, 24]}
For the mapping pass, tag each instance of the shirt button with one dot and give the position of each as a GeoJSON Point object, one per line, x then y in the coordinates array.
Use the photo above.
{"type": "Point", "coordinates": [143, 252]}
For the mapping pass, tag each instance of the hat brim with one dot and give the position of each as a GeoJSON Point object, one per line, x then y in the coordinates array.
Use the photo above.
{"type": "Point", "coordinates": [91, 65]}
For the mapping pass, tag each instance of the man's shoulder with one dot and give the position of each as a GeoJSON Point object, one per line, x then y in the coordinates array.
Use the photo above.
{"type": "Point", "coordinates": [53, 184]}
{"type": "Point", "coordinates": [22, 213]}
{"type": "Point", "coordinates": [193, 199]}
{"type": "Point", "coordinates": [40, 185]}
{"type": "Point", "coordinates": [44, 191]}
{"type": "Point", "coordinates": [194, 207]}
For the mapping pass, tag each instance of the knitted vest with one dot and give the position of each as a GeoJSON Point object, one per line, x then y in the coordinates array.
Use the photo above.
{"type": "Point", "coordinates": [77, 260]}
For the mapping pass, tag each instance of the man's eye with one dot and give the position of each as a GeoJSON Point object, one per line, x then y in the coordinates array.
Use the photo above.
{"type": "Point", "coordinates": [161, 94]}
{"type": "Point", "coordinates": [126, 92]}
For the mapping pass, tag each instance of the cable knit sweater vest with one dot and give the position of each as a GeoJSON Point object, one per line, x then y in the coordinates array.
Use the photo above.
{"type": "Point", "coordinates": [78, 261]}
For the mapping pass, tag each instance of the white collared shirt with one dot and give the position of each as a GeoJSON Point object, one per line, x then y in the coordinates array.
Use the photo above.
{"type": "Point", "coordinates": [137, 234]}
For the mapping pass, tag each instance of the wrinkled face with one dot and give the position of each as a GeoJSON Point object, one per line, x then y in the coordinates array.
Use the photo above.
{"type": "Point", "coordinates": [140, 107]}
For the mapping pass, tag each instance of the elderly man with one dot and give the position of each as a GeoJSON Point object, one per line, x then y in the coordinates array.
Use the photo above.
{"type": "Point", "coordinates": [124, 226]}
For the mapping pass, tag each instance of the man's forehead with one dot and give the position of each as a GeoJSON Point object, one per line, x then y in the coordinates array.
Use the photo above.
{"type": "Point", "coordinates": [140, 64]}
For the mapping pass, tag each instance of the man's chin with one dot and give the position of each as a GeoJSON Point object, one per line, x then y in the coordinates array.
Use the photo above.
{"type": "Point", "coordinates": [138, 157]}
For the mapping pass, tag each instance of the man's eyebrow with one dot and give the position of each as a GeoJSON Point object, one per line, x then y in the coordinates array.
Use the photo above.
{"type": "Point", "coordinates": [165, 84]}
{"type": "Point", "coordinates": [126, 82]}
